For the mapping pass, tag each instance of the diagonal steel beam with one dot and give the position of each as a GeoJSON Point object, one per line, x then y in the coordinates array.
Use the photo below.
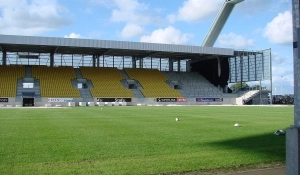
{"type": "Point", "coordinates": [219, 23]}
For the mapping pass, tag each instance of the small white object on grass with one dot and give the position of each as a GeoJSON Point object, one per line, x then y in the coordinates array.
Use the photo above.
{"type": "Point", "coordinates": [177, 119]}
{"type": "Point", "coordinates": [101, 109]}
{"type": "Point", "coordinates": [236, 125]}
{"type": "Point", "coordinates": [279, 132]}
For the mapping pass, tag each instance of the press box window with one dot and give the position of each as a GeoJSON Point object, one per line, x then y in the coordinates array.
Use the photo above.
{"type": "Point", "coordinates": [27, 85]}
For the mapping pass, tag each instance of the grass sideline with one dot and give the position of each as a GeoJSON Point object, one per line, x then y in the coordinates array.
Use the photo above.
{"type": "Point", "coordinates": [140, 140]}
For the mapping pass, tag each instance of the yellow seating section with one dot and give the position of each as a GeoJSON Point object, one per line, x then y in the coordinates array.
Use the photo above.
{"type": "Point", "coordinates": [106, 82]}
{"type": "Point", "coordinates": [56, 81]}
{"type": "Point", "coordinates": [153, 83]}
{"type": "Point", "coordinates": [8, 78]}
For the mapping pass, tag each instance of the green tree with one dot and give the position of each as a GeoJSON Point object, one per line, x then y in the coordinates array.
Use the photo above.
{"type": "Point", "coordinates": [238, 86]}
{"type": "Point", "coordinates": [256, 87]}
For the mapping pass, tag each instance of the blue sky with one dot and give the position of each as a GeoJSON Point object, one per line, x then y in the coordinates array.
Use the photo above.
{"type": "Point", "coordinates": [253, 24]}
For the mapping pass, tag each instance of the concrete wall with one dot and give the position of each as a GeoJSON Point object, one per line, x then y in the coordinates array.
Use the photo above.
{"type": "Point", "coordinates": [134, 102]}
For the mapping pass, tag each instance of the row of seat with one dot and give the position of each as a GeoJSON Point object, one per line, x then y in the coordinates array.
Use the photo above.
{"type": "Point", "coordinates": [56, 81]}
{"type": "Point", "coordinates": [8, 79]}
{"type": "Point", "coordinates": [193, 84]}
{"type": "Point", "coordinates": [106, 82]}
{"type": "Point", "coordinates": [153, 82]}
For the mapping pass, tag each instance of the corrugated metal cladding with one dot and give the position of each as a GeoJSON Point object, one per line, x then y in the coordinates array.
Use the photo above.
{"type": "Point", "coordinates": [71, 42]}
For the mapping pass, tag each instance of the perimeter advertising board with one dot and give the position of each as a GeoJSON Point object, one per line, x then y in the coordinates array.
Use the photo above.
{"type": "Point", "coordinates": [113, 99]}
{"type": "Point", "coordinates": [209, 99]}
{"type": "Point", "coordinates": [171, 100]}
{"type": "Point", "coordinates": [3, 100]}
{"type": "Point", "coordinates": [53, 100]}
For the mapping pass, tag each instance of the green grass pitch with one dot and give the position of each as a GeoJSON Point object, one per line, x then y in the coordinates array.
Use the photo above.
{"type": "Point", "coordinates": [139, 140]}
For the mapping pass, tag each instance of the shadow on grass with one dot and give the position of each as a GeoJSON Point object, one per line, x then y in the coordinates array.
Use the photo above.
{"type": "Point", "coordinates": [267, 146]}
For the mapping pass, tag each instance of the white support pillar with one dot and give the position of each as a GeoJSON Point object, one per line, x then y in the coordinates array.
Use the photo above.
{"type": "Point", "coordinates": [293, 132]}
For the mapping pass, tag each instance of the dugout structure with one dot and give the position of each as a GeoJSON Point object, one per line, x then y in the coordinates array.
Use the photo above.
{"type": "Point", "coordinates": [219, 66]}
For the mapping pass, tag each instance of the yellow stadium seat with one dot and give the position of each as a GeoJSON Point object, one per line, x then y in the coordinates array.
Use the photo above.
{"type": "Point", "coordinates": [56, 81]}
{"type": "Point", "coordinates": [106, 82]}
{"type": "Point", "coordinates": [153, 83]}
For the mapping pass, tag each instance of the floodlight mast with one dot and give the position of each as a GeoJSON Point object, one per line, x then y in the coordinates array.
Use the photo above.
{"type": "Point", "coordinates": [219, 23]}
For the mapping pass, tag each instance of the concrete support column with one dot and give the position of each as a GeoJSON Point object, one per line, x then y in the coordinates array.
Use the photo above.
{"type": "Point", "coordinates": [188, 66]}
{"type": "Point", "coordinates": [133, 62]}
{"type": "Point", "coordinates": [293, 132]}
{"type": "Point", "coordinates": [219, 66]}
{"type": "Point", "coordinates": [94, 60]}
{"type": "Point", "coordinates": [292, 151]}
{"type": "Point", "coordinates": [225, 89]}
{"type": "Point", "coordinates": [159, 64]}
{"type": "Point", "coordinates": [4, 58]}
{"type": "Point", "coordinates": [51, 59]}
{"type": "Point", "coordinates": [171, 64]}
{"type": "Point", "coordinates": [141, 62]}
{"type": "Point", "coordinates": [178, 65]}
{"type": "Point", "coordinates": [103, 58]}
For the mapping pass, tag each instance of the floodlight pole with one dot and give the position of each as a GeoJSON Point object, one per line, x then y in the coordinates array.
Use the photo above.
{"type": "Point", "coordinates": [293, 132]}
{"type": "Point", "coordinates": [260, 92]}
{"type": "Point", "coordinates": [281, 85]}
{"type": "Point", "coordinates": [219, 23]}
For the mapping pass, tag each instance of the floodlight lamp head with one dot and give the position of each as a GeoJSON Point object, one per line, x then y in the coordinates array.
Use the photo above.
{"type": "Point", "coordinates": [233, 1]}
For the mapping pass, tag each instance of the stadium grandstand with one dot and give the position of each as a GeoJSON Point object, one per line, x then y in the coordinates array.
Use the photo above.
{"type": "Point", "coordinates": [48, 71]}
{"type": "Point", "coordinates": [39, 71]}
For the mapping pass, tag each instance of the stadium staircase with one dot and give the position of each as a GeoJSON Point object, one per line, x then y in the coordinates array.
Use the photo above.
{"type": "Point", "coordinates": [247, 96]}
{"type": "Point", "coordinates": [19, 90]}
{"type": "Point", "coordinates": [124, 74]}
{"type": "Point", "coordinates": [78, 73]}
{"type": "Point", "coordinates": [85, 92]}
{"type": "Point", "coordinates": [131, 84]}
{"type": "Point", "coordinates": [192, 84]}
{"type": "Point", "coordinates": [23, 92]}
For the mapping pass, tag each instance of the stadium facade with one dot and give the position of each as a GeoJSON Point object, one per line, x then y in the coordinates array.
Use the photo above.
{"type": "Point", "coordinates": [177, 74]}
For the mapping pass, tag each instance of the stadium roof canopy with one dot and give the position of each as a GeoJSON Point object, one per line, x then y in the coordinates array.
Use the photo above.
{"type": "Point", "coordinates": [34, 44]}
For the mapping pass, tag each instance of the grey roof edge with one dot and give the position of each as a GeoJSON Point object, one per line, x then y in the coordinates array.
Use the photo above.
{"type": "Point", "coordinates": [111, 44]}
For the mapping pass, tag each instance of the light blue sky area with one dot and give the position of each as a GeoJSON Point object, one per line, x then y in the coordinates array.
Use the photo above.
{"type": "Point", "coordinates": [253, 24]}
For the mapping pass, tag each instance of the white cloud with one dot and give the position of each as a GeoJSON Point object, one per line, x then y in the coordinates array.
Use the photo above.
{"type": "Point", "coordinates": [101, 2]}
{"type": "Point", "coordinates": [254, 6]}
{"type": "Point", "coordinates": [282, 73]}
{"type": "Point", "coordinates": [172, 18]}
{"type": "Point", "coordinates": [169, 35]}
{"type": "Point", "coordinates": [233, 40]}
{"type": "Point", "coordinates": [73, 35]}
{"type": "Point", "coordinates": [196, 10]}
{"type": "Point", "coordinates": [283, 83]}
{"type": "Point", "coordinates": [96, 34]}
{"type": "Point", "coordinates": [23, 17]}
{"type": "Point", "coordinates": [279, 30]}
{"type": "Point", "coordinates": [279, 60]}
{"type": "Point", "coordinates": [134, 12]}
{"type": "Point", "coordinates": [125, 10]}
{"type": "Point", "coordinates": [131, 30]}
{"type": "Point", "coordinates": [278, 70]}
